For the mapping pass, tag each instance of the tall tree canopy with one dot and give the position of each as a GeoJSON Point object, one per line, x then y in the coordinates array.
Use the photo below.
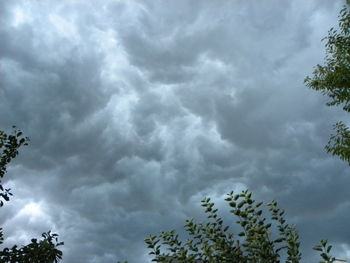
{"type": "Point", "coordinates": [38, 251]}
{"type": "Point", "coordinates": [261, 239]}
{"type": "Point", "coordinates": [333, 80]}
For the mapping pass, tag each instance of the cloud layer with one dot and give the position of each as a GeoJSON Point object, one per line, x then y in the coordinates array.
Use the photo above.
{"type": "Point", "coordinates": [138, 109]}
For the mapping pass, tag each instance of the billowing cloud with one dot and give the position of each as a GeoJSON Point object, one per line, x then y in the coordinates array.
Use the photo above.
{"type": "Point", "coordinates": [138, 109]}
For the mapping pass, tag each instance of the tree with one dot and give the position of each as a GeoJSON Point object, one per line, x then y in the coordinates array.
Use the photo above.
{"type": "Point", "coordinates": [333, 79]}
{"type": "Point", "coordinates": [211, 242]}
{"type": "Point", "coordinates": [42, 251]}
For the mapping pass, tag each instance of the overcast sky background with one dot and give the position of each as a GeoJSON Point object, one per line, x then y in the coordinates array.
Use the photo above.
{"type": "Point", "coordinates": [136, 110]}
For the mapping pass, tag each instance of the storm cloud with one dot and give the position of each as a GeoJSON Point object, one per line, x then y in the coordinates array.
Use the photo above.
{"type": "Point", "coordinates": [136, 110]}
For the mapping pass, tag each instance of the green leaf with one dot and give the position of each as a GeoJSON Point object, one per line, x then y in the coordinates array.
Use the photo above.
{"type": "Point", "coordinates": [318, 248]}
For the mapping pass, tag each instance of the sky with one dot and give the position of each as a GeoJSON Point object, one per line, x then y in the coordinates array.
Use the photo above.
{"type": "Point", "coordinates": [137, 110]}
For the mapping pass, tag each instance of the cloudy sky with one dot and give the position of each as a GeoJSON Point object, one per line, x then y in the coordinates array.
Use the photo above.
{"type": "Point", "coordinates": [136, 110]}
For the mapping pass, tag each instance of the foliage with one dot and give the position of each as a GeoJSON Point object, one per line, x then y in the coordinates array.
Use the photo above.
{"type": "Point", "coordinates": [42, 251]}
{"type": "Point", "coordinates": [212, 242]}
{"type": "Point", "coordinates": [333, 79]}
{"type": "Point", "coordinates": [11, 143]}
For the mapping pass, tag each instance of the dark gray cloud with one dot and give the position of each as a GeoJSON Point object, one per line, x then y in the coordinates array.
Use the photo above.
{"type": "Point", "coordinates": [137, 110]}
